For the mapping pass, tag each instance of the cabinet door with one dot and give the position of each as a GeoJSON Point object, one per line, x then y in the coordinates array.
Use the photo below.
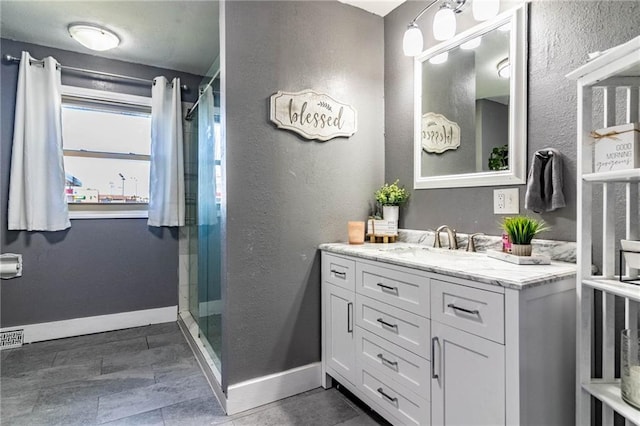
{"type": "Point", "coordinates": [339, 339]}
{"type": "Point", "coordinates": [467, 383]}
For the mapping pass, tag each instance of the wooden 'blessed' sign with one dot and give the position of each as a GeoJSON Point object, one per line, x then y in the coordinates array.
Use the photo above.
{"type": "Point", "coordinates": [313, 115]}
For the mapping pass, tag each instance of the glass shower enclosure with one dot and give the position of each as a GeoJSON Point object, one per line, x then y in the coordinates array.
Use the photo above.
{"type": "Point", "coordinates": [205, 218]}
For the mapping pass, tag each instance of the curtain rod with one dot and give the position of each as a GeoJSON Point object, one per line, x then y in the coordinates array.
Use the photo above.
{"type": "Point", "coordinates": [190, 111]}
{"type": "Point", "coordinates": [13, 59]}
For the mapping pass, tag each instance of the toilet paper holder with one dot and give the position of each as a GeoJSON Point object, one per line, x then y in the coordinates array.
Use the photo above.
{"type": "Point", "coordinates": [10, 265]}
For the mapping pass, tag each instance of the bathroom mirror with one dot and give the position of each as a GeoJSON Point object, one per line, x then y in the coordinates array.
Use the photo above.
{"type": "Point", "coordinates": [471, 105]}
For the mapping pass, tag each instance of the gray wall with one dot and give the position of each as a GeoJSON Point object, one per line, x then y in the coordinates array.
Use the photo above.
{"type": "Point", "coordinates": [286, 194]}
{"type": "Point", "coordinates": [97, 267]}
{"type": "Point", "coordinates": [492, 119]}
{"type": "Point", "coordinates": [450, 89]}
{"type": "Point", "coordinates": [561, 33]}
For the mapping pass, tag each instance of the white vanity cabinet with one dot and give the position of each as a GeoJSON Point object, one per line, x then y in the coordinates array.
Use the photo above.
{"type": "Point", "coordinates": [468, 376]}
{"type": "Point", "coordinates": [468, 381]}
{"type": "Point", "coordinates": [424, 348]}
{"type": "Point", "coordinates": [338, 299]}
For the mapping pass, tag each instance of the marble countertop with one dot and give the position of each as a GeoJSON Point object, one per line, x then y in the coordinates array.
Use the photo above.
{"type": "Point", "coordinates": [457, 263]}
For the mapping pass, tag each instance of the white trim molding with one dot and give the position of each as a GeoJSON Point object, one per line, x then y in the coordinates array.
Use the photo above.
{"type": "Point", "coordinates": [97, 324]}
{"type": "Point", "coordinates": [263, 390]}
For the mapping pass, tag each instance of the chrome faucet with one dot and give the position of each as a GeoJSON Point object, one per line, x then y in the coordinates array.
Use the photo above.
{"type": "Point", "coordinates": [471, 246]}
{"type": "Point", "coordinates": [451, 233]}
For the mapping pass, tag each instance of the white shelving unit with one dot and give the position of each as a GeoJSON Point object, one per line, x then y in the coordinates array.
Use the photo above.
{"type": "Point", "coordinates": [612, 82]}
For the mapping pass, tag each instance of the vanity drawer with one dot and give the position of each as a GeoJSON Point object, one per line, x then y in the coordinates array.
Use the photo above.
{"type": "Point", "coordinates": [401, 289]}
{"type": "Point", "coordinates": [387, 359]}
{"type": "Point", "coordinates": [407, 408]}
{"type": "Point", "coordinates": [407, 330]}
{"type": "Point", "coordinates": [339, 271]}
{"type": "Point", "coordinates": [478, 312]}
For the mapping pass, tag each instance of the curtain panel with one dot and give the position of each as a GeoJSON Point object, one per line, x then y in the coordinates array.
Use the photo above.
{"type": "Point", "coordinates": [166, 183]}
{"type": "Point", "coordinates": [37, 180]}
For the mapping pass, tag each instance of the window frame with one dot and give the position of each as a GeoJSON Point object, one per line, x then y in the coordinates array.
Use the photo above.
{"type": "Point", "coordinates": [105, 210]}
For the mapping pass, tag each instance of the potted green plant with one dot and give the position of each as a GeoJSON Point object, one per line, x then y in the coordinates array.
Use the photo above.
{"type": "Point", "coordinates": [499, 158]}
{"type": "Point", "coordinates": [521, 230]}
{"type": "Point", "coordinates": [390, 197]}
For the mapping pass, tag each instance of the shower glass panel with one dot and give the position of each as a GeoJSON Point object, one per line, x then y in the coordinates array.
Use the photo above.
{"type": "Point", "coordinates": [205, 298]}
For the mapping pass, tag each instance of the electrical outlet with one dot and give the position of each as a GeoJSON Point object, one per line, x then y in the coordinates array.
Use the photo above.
{"type": "Point", "coordinates": [506, 201]}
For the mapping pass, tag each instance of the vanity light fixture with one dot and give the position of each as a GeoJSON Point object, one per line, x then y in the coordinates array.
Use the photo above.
{"type": "Point", "coordinates": [471, 44]}
{"type": "Point", "coordinates": [485, 9]}
{"type": "Point", "coordinates": [439, 59]}
{"type": "Point", "coordinates": [93, 36]}
{"type": "Point", "coordinates": [504, 68]}
{"type": "Point", "coordinates": [444, 21]}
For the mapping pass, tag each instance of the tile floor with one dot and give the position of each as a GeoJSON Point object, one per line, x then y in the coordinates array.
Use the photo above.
{"type": "Point", "coordinates": [140, 376]}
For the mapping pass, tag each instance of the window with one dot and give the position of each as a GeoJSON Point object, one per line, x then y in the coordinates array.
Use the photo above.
{"type": "Point", "coordinates": [106, 141]}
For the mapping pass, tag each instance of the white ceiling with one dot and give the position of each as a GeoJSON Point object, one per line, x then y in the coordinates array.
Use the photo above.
{"type": "Point", "coordinates": [178, 35]}
{"type": "Point", "coordinates": [379, 7]}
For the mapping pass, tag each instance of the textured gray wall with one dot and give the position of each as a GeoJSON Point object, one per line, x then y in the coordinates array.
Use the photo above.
{"type": "Point", "coordinates": [492, 119]}
{"type": "Point", "coordinates": [561, 33]}
{"type": "Point", "coordinates": [286, 194]}
{"type": "Point", "coordinates": [97, 267]}
{"type": "Point", "coordinates": [450, 89]}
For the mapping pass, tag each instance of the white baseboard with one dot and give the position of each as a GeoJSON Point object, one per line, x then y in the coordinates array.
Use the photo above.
{"type": "Point", "coordinates": [88, 325]}
{"type": "Point", "coordinates": [263, 390]}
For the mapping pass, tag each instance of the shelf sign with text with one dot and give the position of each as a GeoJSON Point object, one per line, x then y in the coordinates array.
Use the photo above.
{"type": "Point", "coordinates": [313, 115]}
{"type": "Point", "coordinates": [438, 133]}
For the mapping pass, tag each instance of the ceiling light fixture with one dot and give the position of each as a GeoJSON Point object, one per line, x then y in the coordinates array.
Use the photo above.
{"type": "Point", "coordinates": [444, 21]}
{"type": "Point", "coordinates": [93, 36]}
{"type": "Point", "coordinates": [504, 68]}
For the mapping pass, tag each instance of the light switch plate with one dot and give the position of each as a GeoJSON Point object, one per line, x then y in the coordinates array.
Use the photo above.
{"type": "Point", "coordinates": [506, 201]}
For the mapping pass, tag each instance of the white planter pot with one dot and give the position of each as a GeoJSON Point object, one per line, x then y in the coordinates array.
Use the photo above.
{"type": "Point", "coordinates": [390, 212]}
{"type": "Point", "coordinates": [521, 249]}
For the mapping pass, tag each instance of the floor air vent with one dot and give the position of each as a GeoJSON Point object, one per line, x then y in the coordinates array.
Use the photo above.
{"type": "Point", "coordinates": [11, 339]}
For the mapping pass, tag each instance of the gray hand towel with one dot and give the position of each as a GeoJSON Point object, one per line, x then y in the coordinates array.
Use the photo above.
{"type": "Point", "coordinates": [544, 184]}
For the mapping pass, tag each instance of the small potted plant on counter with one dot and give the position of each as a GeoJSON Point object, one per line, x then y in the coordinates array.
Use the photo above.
{"type": "Point", "coordinates": [521, 230]}
{"type": "Point", "coordinates": [391, 197]}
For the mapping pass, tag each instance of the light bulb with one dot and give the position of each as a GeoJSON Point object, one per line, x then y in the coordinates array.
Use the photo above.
{"type": "Point", "coordinates": [444, 24]}
{"type": "Point", "coordinates": [439, 59]}
{"type": "Point", "coordinates": [412, 41]}
{"type": "Point", "coordinates": [471, 44]}
{"type": "Point", "coordinates": [485, 9]}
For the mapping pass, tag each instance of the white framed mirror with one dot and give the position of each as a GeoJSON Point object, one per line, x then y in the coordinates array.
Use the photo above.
{"type": "Point", "coordinates": [470, 122]}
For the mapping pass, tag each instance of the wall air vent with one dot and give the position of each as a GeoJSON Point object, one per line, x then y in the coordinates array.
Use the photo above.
{"type": "Point", "coordinates": [11, 339]}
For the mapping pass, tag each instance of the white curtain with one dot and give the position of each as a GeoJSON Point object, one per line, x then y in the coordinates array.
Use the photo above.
{"type": "Point", "coordinates": [166, 184]}
{"type": "Point", "coordinates": [37, 181]}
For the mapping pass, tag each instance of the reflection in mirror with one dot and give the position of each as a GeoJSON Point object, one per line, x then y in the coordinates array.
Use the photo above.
{"type": "Point", "coordinates": [470, 110]}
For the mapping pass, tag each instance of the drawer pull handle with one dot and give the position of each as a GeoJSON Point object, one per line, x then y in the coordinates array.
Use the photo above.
{"type": "Point", "coordinates": [434, 375]}
{"type": "Point", "coordinates": [383, 322]}
{"type": "Point", "coordinates": [342, 275]}
{"type": "Point", "coordinates": [386, 361]}
{"type": "Point", "coordinates": [458, 308]}
{"type": "Point", "coordinates": [389, 398]}
{"type": "Point", "coordinates": [387, 287]}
